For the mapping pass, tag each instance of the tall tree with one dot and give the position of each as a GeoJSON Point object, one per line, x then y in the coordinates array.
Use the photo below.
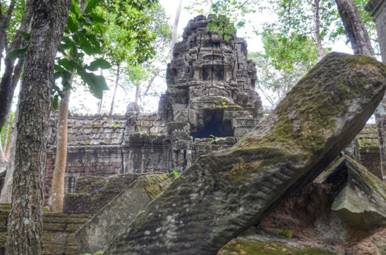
{"type": "Point", "coordinates": [123, 30]}
{"type": "Point", "coordinates": [126, 56]}
{"type": "Point", "coordinates": [14, 55]}
{"type": "Point", "coordinates": [355, 29]}
{"type": "Point", "coordinates": [25, 220]}
{"type": "Point", "coordinates": [317, 27]}
{"type": "Point", "coordinates": [175, 24]}
{"type": "Point", "coordinates": [57, 186]}
{"type": "Point", "coordinates": [6, 192]}
{"type": "Point", "coordinates": [117, 77]}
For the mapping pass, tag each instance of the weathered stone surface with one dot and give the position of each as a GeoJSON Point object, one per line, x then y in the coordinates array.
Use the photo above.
{"type": "Point", "coordinates": [225, 192]}
{"type": "Point", "coordinates": [378, 10]}
{"type": "Point", "coordinates": [368, 150]}
{"type": "Point", "coordinates": [307, 217]}
{"type": "Point", "coordinates": [375, 244]}
{"type": "Point", "coordinates": [114, 218]}
{"type": "Point", "coordinates": [2, 177]}
{"type": "Point", "coordinates": [362, 201]}
{"type": "Point", "coordinates": [94, 192]}
{"type": "Point", "coordinates": [248, 246]}
{"type": "Point", "coordinates": [58, 232]}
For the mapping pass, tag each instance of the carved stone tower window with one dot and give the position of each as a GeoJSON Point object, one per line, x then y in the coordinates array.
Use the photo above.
{"type": "Point", "coordinates": [70, 182]}
{"type": "Point", "coordinates": [213, 73]}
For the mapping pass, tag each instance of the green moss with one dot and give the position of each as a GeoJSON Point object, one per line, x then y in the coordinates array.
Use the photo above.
{"type": "Point", "coordinates": [116, 125]}
{"type": "Point", "coordinates": [361, 173]}
{"type": "Point", "coordinates": [155, 184]}
{"type": "Point", "coordinates": [253, 247]}
{"type": "Point", "coordinates": [3, 239]}
{"type": "Point", "coordinates": [286, 233]}
{"type": "Point", "coordinates": [367, 143]}
{"type": "Point", "coordinates": [307, 118]}
{"type": "Point", "coordinates": [96, 125]}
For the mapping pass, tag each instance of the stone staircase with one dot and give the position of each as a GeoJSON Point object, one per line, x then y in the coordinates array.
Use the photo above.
{"type": "Point", "coordinates": [58, 231]}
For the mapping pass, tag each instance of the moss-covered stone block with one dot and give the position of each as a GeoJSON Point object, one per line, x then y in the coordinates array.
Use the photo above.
{"type": "Point", "coordinates": [254, 247]}
{"type": "Point", "coordinates": [225, 192]}
{"type": "Point", "coordinates": [361, 203]}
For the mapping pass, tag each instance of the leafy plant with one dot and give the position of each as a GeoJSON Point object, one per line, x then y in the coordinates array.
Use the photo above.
{"type": "Point", "coordinates": [176, 173]}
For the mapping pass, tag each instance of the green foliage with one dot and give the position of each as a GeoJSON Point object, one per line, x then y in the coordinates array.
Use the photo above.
{"type": "Point", "coordinates": [275, 83]}
{"type": "Point", "coordinates": [286, 52]}
{"type": "Point", "coordinates": [6, 131]}
{"type": "Point", "coordinates": [130, 31]}
{"type": "Point", "coordinates": [119, 29]}
{"type": "Point", "coordinates": [176, 173]}
{"type": "Point", "coordinates": [18, 53]}
{"type": "Point", "coordinates": [136, 74]}
{"type": "Point", "coordinates": [222, 25]}
{"type": "Point", "coordinates": [213, 139]}
{"type": "Point", "coordinates": [226, 15]}
{"type": "Point", "coordinates": [82, 37]}
{"type": "Point", "coordinates": [15, 20]}
{"type": "Point", "coordinates": [96, 253]}
{"type": "Point", "coordinates": [298, 17]}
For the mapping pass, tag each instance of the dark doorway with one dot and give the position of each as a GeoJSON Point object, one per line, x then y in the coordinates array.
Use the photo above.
{"type": "Point", "coordinates": [214, 125]}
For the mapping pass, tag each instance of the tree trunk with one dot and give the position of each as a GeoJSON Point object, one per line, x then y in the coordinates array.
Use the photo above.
{"type": "Point", "coordinates": [355, 29]}
{"type": "Point", "coordinates": [12, 70]}
{"type": "Point", "coordinates": [4, 24]}
{"type": "Point", "coordinates": [318, 39]}
{"type": "Point", "coordinates": [137, 94]}
{"type": "Point", "coordinates": [115, 89]}
{"type": "Point", "coordinates": [100, 103]}
{"type": "Point", "coordinates": [6, 192]}
{"type": "Point", "coordinates": [57, 188]}
{"type": "Point", "coordinates": [25, 220]}
{"type": "Point", "coordinates": [8, 144]}
{"type": "Point", "coordinates": [175, 25]}
{"type": "Point", "coordinates": [2, 153]}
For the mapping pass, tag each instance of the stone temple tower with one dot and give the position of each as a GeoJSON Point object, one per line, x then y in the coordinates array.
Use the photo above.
{"type": "Point", "coordinates": [211, 85]}
{"type": "Point", "coordinates": [210, 97]}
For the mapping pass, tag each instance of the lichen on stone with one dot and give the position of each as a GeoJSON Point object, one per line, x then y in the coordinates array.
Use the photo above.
{"type": "Point", "coordinates": [255, 247]}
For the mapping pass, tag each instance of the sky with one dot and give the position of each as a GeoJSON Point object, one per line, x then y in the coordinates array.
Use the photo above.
{"type": "Point", "coordinates": [84, 102]}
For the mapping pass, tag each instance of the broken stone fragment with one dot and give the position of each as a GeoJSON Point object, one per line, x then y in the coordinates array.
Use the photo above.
{"type": "Point", "coordinates": [361, 203]}
{"type": "Point", "coordinates": [108, 222]}
{"type": "Point", "coordinates": [225, 192]}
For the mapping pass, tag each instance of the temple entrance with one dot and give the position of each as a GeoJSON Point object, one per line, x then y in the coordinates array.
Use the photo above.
{"type": "Point", "coordinates": [214, 125]}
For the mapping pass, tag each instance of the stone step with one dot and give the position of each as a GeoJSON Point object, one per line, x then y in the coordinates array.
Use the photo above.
{"type": "Point", "coordinates": [58, 231]}
{"type": "Point", "coordinates": [5, 206]}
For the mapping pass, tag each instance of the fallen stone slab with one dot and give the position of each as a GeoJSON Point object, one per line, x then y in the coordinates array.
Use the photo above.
{"type": "Point", "coordinates": [225, 192]}
{"type": "Point", "coordinates": [340, 212]}
{"type": "Point", "coordinates": [361, 203]}
{"type": "Point", "coordinates": [109, 221]}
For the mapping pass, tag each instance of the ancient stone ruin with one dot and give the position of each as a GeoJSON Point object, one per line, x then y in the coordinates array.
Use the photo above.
{"type": "Point", "coordinates": [236, 187]}
{"type": "Point", "coordinates": [210, 102]}
{"type": "Point", "coordinates": [250, 184]}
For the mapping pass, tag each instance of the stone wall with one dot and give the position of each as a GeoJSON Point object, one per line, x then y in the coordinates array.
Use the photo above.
{"type": "Point", "coordinates": [94, 192]}
{"type": "Point", "coordinates": [378, 10]}
{"type": "Point", "coordinates": [101, 145]}
{"type": "Point", "coordinates": [368, 153]}
{"type": "Point", "coordinates": [58, 232]}
{"type": "Point", "coordinates": [114, 217]}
